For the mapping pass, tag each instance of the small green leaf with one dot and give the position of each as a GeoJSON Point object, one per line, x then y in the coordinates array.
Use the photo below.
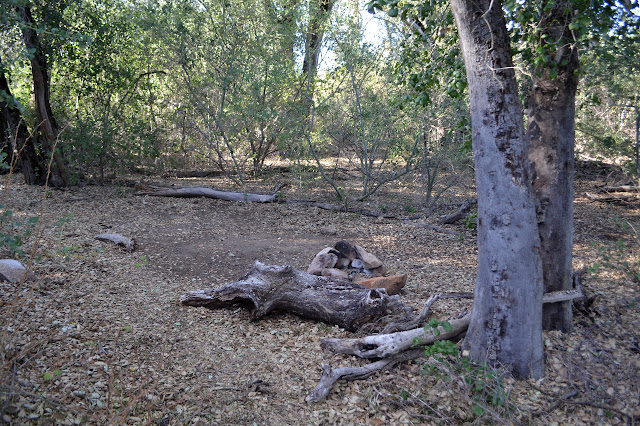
{"type": "Point", "coordinates": [478, 410]}
{"type": "Point", "coordinates": [48, 376]}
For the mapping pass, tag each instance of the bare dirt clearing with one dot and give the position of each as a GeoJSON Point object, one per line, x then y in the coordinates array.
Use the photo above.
{"type": "Point", "coordinates": [103, 338]}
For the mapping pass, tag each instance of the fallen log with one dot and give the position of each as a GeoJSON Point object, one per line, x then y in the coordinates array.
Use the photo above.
{"type": "Point", "coordinates": [202, 191]}
{"type": "Point", "coordinates": [613, 199]}
{"type": "Point", "coordinates": [620, 188]}
{"type": "Point", "coordinates": [281, 288]}
{"type": "Point", "coordinates": [386, 345]}
{"type": "Point", "coordinates": [462, 212]}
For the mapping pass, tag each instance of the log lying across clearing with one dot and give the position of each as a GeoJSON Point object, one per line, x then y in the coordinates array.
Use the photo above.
{"type": "Point", "coordinates": [282, 288]}
{"type": "Point", "coordinates": [202, 191]}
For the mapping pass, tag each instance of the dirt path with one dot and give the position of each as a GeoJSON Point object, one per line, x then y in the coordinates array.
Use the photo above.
{"type": "Point", "coordinates": [103, 337]}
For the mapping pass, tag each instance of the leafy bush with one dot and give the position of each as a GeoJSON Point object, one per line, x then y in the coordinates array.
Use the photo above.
{"type": "Point", "coordinates": [484, 385]}
{"type": "Point", "coordinates": [14, 233]}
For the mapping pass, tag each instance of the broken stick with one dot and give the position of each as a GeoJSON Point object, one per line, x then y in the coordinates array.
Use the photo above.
{"type": "Point", "coordinates": [331, 376]}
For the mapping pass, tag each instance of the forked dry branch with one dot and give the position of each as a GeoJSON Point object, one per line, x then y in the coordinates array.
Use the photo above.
{"type": "Point", "coordinates": [387, 345]}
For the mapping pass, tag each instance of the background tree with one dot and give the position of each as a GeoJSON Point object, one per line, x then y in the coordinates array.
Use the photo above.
{"type": "Point", "coordinates": [113, 89]}
{"type": "Point", "coordinates": [553, 57]}
{"type": "Point", "coordinates": [44, 139]}
{"type": "Point", "coordinates": [607, 114]}
{"type": "Point", "coordinates": [17, 148]}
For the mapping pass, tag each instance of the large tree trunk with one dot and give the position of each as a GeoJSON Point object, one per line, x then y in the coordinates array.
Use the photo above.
{"type": "Point", "coordinates": [18, 139]}
{"type": "Point", "coordinates": [551, 133]}
{"type": "Point", "coordinates": [506, 322]}
{"type": "Point", "coordinates": [47, 129]}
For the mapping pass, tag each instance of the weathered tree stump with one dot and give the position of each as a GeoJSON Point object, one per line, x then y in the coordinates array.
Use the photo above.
{"type": "Point", "coordinates": [282, 288]}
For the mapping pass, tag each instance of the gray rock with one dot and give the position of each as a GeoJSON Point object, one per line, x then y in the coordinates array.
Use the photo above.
{"type": "Point", "coordinates": [326, 258]}
{"type": "Point", "coordinates": [370, 261]}
{"type": "Point", "coordinates": [347, 250]}
{"type": "Point", "coordinates": [335, 273]}
{"type": "Point", "coordinates": [357, 264]}
{"type": "Point", "coordinates": [128, 243]}
{"type": "Point", "coordinates": [14, 271]}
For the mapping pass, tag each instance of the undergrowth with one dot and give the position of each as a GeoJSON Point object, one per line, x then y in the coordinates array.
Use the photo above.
{"type": "Point", "coordinates": [464, 390]}
{"type": "Point", "coordinates": [14, 233]}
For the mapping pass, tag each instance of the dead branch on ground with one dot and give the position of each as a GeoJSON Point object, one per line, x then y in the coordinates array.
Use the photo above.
{"type": "Point", "coordinates": [201, 191]}
{"type": "Point", "coordinates": [399, 346]}
{"type": "Point", "coordinates": [621, 188]}
{"type": "Point", "coordinates": [385, 345]}
{"type": "Point", "coordinates": [613, 199]}
{"type": "Point", "coordinates": [461, 213]}
{"type": "Point", "coordinates": [331, 376]}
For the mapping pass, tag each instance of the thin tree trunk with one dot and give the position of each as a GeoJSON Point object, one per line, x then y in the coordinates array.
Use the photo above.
{"type": "Point", "coordinates": [636, 152]}
{"type": "Point", "coordinates": [318, 15]}
{"type": "Point", "coordinates": [47, 126]}
{"type": "Point", "coordinates": [506, 322]}
{"type": "Point", "coordinates": [551, 134]}
{"type": "Point", "coordinates": [18, 139]}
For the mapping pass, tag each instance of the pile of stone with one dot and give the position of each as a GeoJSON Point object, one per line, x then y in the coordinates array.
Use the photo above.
{"type": "Point", "coordinates": [352, 262]}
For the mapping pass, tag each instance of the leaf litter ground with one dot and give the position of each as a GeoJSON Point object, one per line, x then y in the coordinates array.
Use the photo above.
{"type": "Point", "coordinates": [102, 337]}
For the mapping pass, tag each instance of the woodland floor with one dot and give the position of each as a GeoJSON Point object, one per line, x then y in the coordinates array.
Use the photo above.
{"type": "Point", "coordinates": [102, 337]}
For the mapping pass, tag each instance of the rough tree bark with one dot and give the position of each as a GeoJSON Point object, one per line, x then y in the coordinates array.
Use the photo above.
{"type": "Point", "coordinates": [47, 126]}
{"type": "Point", "coordinates": [282, 288]}
{"type": "Point", "coordinates": [551, 134]}
{"type": "Point", "coordinates": [506, 322]}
